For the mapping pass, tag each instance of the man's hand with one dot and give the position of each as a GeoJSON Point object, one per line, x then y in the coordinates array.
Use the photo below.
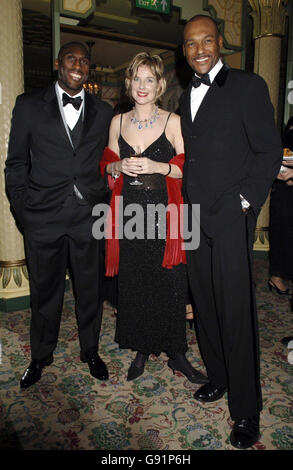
{"type": "Point", "coordinates": [287, 163]}
{"type": "Point", "coordinates": [285, 175]}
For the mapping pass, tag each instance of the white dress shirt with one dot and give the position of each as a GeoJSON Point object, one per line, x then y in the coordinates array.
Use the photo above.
{"type": "Point", "coordinates": [196, 97]}
{"type": "Point", "coordinates": [71, 114]}
{"type": "Point", "coordinates": [198, 94]}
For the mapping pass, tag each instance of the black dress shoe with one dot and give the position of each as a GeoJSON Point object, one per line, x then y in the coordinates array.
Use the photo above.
{"type": "Point", "coordinates": [136, 368]}
{"type": "Point", "coordinates": [34, 372]}
{"type": "Point", "coordinates": [245, 432]}
{"type": "Point", "coordinates": [286, 340]}
{"type": "Point", "coordinates": [97, 367]}
{"type": "Point", "coordinates": [134, 372]}
{"type": "Point", "coordinates": [181, 364]}
{"type": "Point", "coordinates": [209, 393]}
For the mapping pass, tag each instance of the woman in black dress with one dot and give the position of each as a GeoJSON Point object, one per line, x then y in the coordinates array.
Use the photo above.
{"type": "Point", "coordinates": [152, 283]}
{"type": "Point", "coordinates": [281, 223]}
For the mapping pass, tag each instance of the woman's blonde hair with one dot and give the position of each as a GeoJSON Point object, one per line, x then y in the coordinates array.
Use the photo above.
{"type": "Point", "coordinates": [156, 65]}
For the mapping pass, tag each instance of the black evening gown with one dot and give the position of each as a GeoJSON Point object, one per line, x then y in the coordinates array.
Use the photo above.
{"type": "Point", "coordinates": [281, 224]}
{"type": "Point", "coordinates": [151, 299]}
{"type": "Point", "coordinates": [281, 230]}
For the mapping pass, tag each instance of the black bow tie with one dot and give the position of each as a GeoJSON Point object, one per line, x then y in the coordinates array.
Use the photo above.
{"type": "Point", "coordinates": [76, 102]}
{"type": "Point", "coordinates": [197, 81]}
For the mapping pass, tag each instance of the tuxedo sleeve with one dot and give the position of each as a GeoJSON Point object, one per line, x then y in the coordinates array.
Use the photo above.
{"type": "Point", "coordinates": [18, 157]}
{"type": "Point", "coordinates": [264, 141]}
{"type": "Point", "coordinates": [108, 113]}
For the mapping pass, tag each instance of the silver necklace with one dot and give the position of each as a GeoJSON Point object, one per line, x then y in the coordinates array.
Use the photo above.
{"type": "Point", "coordinates": [149, 122]}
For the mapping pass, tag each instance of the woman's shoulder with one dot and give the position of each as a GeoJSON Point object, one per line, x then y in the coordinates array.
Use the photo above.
{"type": "Point", "coordinates": [118, 118]}
{"type": "Point", "coordinates": [175, 118]}
{"type": "Point", "coordinates": [173, 122]}
{"type": "Point", "coordinates": [115, 119]}
{"type": "Point", "coordinates": [171, 115]}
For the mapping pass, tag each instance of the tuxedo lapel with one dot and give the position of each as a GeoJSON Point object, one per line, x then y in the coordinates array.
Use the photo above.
{"type": "Point", "coordinates": [188, 107]}
{"type": "Point", "coordinates": [204, 110]}
{"type": "Point", "coordinates": [210, 99]}
{"type": "Point", "coordinates": [185, 106]}
{"type": "Point", "coordinates": [51, 107]}
{"type": "Point", "coordinates": [90, 113]}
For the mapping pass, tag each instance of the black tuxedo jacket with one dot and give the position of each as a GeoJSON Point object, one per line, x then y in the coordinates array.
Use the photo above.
{"type": "Point", "coordinates": [42, 166]}
{"type": "Point", "coordinates": [232, 147]}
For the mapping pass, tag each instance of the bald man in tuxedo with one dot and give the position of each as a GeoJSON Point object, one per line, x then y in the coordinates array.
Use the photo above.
{"type": "Point", "coordinates": [233, 153]}
{"type": "Point", "coordinates": [53, 181]}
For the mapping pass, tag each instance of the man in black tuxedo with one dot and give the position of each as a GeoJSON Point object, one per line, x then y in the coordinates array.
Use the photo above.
{"type": "Point", "coordinates": [53, 181]}
{"type": "Point", "coordinates": [233, 153]}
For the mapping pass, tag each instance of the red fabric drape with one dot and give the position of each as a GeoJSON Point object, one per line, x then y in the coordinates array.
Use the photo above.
{"type": "Point", "coordinates": [174, 251]}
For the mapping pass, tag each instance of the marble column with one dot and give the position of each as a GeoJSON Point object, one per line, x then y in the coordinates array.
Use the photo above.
{"type": "Point", "coordinates": [14, 287]}
{"type": "Point", "coordinates": [269, 23]}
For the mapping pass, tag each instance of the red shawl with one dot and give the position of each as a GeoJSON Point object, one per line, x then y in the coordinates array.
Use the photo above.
{"type": "Point", "coordinates": [174, 252]}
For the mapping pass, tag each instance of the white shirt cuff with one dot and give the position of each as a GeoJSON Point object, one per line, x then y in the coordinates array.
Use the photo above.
{"type": "Point", "coordinates": [245, 204]}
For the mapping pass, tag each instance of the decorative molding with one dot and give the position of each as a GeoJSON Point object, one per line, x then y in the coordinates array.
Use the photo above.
{"type": "Point", "coordinates": [13, 276]}
{"type": "Point", "coordinates": [113, 36]}
{"type": "Point", "coordinates": [228, 25]}
{"type": "Point", "coordinates": [13, 273]}
{"type": "Point", "coordinates": [268, 35]}
{"type": "Point", "coordinates": [261, 239]}
{"type": "Point", "coordinates": [12, 264]}
{"type": "Point", "coordinates": [268, 17]}
{"type": "Point", "coordinates": [77, 8]}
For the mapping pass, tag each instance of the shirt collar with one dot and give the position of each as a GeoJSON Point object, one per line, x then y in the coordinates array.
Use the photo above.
{"type": "Point", "coordinates": [215, 70]}
{"type": "Point", "coordinates": [61, 91]}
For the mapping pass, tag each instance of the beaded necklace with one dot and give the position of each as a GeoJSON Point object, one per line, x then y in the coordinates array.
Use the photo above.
{"type": "Point", "coordinates": [146, 122]}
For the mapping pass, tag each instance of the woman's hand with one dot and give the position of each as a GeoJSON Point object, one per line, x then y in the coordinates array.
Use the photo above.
{"type": "Point", "coordinates": [128, 166]}
{"type": "Point", "coordinates": [146, 166]}
{"type": "Point", "coordinates": [137, 166]}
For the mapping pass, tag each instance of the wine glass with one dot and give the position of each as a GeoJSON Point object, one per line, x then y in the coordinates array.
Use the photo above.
{"type": "Point", "coordinates": [136, 153]}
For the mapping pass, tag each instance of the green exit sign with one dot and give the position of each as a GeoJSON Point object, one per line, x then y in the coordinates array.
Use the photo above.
{"type": "Point", "coordinates": [159, 6]}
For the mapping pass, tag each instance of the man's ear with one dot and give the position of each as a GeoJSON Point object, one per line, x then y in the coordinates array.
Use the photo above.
{"type": "Point", "coordinates": [183, 49]}
{"type": "Point", "coordinates": [56, 64]}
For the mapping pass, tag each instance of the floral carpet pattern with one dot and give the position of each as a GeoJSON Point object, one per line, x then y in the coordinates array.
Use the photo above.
{"type": "Point", "coordinates": [68, 409]}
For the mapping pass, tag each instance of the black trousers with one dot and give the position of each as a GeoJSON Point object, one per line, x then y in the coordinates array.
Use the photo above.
{"type": "Point", "coordinates": [221, 283]}
{"type": "Point", "coordinates": [50, 250]}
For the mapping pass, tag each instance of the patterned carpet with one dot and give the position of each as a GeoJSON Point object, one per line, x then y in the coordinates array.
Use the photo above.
{"type": "Point", "coordinates": [68, 409]}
